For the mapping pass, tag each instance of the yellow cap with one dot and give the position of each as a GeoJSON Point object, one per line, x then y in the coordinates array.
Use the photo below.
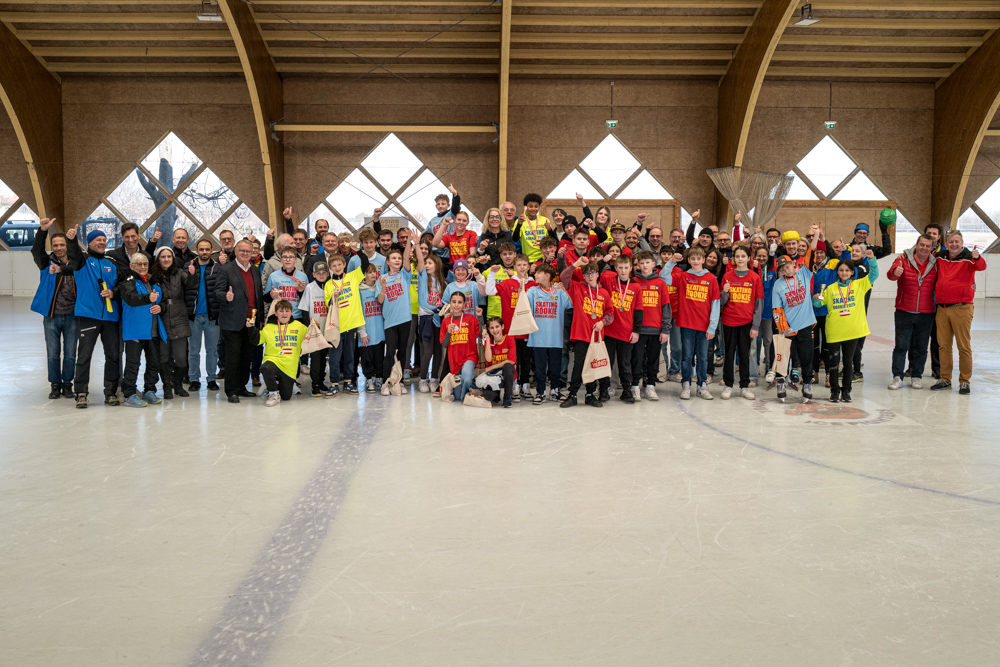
{"type": "Point", "coordinates": [790, 235]}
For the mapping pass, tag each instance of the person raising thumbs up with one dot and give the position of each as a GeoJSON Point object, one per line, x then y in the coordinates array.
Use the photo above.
{"type": "Point", "coordinates": [240, 297]}
{"type": "Point", "coordinates": [229, 294]}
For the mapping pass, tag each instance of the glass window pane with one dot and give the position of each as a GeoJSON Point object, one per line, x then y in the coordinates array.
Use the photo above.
{"type": "Point", "coordinates": [610, 164]}
{"type": "Point", "coordinates": [207, 198]}
{"type": "Point", "coordinates": [244, 222]}
{"type": "Point", "coordinates": [391, 163]}
{"type": "Point", "coordinates": [975, 233]}
{"type": "Point", "coordinates": [7, 198]}
{"type": "Point", "coordinates": [169, 221]}
{"type": "Point", "coordinates": [799, 190]}
{"type": "Point", "coordinates": [906, 233]}
{"type": "Point", "coordinates": [573, 184]}
{"type": "Point", "coordinates": [990, 202]}
{"type": "Point", "coordinates": [171, 161]}
{"type": "Point", "coordinates": [418, 198]}
{"type": "Point", "coordinates": [20, 229]}
{"type": "Point", "coordinates": [826, 165]}
{"type": "Point", "coordinates": [102, 218]}
{"type": "Point", "coordinates": [644, 187]}
{"type": "Point", "coordinates": [355, 198]}
{"type": "Point", "coordinates": [860, 188]}
{"type": "Point", "coordinates": [323, 213]}
{"type": "Point", "coordinates": [133, 200]}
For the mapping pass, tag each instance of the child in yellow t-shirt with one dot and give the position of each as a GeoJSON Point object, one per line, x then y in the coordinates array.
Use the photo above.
{"type": "Point", "coordinates": [282, 338]}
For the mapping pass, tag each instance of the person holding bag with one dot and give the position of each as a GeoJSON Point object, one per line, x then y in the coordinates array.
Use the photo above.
{"type": "Point", "coordinates": [591, 313]}
{"type": "Point", "coordinates": [509, 291]}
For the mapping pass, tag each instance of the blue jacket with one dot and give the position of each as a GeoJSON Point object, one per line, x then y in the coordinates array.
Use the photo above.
{"type": "Point", "coordinates": [89, 271]}
{"type": "Point", "coordinates": [137, 321]}
{"type": "Point", "coordinates": [826, 275]}
{"type": "Point", "coordinates": [46, 292]}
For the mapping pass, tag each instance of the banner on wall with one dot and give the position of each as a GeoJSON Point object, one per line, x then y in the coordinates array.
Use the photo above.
{"type": "Point", "coordinates": [390, 224]}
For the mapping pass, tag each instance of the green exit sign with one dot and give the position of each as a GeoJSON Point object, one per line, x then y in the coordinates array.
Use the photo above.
{"type": "Point", "coordinates": [612, 123]}
{"type": "Point", "coordinates": [830, 124]}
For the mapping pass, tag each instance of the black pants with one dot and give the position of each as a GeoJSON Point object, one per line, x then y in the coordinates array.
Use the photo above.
{"type": "Point", "coordinates": [277, 381]}
{"type": "Point", "coordinates": [317, 370]}
{"type": "Point", "coordinates": [802, 344]}
{"type": "Point", "coordinates": [173, 361]}
{"type": "Point", "coordinates": [935, 353]}
{"type": "Point", "coordinates": [372, 360]}
{"type": "Point", "coordinates": [110, 334]}
{"type": "Point", "coordinates": [646, 359]}
{"type": "Point", "coordinates": [395, 347]}
{"type": "Point", "coordinates": [737, 339]}
{"type": "Point", "coordinates": [524, 359]}
{"type": "Point", "coordinates": [430, 355]}
{"type": "Point", "coordinates": [133, 352]}
{"type": "Point", "coordinates": [548, 363]}
{"type": "Point", "coordinates": [239, 352]}
{"type": "Point", "coordinates": [819, 344]}
{"type": "Point", "coordinates": [506, 373]}
{"type": "Point", "coordinates": [622, 351]}
{"type": "Point", "coordinates": [579, 356]}
{"type": "Point", "coordinates": [845, 349]}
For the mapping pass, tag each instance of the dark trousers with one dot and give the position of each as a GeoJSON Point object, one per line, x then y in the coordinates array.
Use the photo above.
{"type": "Point", "coordinates": [506, 373]}
{"type": "Point", "coordinates": [256, 357]}
{"type": "Point", "coordinates": [317, 369]}
{"type": "Point", "coordinates": [524, 359]}
{"type": "Point", "coordinates": [737, 339]}
{"type": "Point", "coordinates": [110, 334]}
{"type": "Point", "coordinates": [802, 344]}
{"type": "Point", "coordinates": [372, 360]}
{"type": "Point", "coordinates": [579, 356]}
{"type": "Point", "coordinates": [913, 333]}
{"type": "Point", "coordinates": [277, 381]}
{"type": "Point", "coordinates": [239, 352]}
{"type": "Point", "coordinates": [861, 341]}
{"type": "Point", "coordinates": [341, 358]}
{"type": "Point", "coordinates": [395, 347]}
{"type": "Point", "coordinates": [646, 359]}
{"type": "Point", "coordinates": [60, 347]}
{"type": "Point", "coordinates": [173, 361]}
{"type": "Point", "coordinates": [819, 344]}
{"type": "Point", "coordinates": [844, 349]}
{"type": "Point", "coordinates": [567, 346]}
{"type": "Point", "coordinates": [622, 351]}
{"type": "Point", "coordinates": [935, 351]}
{"type": "Point", "coordinates": [133, 352]}
{"type": "Point", "coordinates": [548, 362]}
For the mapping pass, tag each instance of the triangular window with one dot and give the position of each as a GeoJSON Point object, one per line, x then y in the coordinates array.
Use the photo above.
{"type": "Point", "coordinates": [980, 223]}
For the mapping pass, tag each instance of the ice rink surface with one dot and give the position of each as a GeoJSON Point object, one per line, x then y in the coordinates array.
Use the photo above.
{"type": "Point", "coordinates": [402, 531]}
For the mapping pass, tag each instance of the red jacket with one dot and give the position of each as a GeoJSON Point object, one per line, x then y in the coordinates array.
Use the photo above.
{"type": "Point", "coordinates": [956, 281]}
{"type": "Point", "coordinates": [914, 289]}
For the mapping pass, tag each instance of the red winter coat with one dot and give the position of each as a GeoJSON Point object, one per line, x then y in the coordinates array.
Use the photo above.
{"type": "Point", "coordinates": [956, 281]}
{"type": "Point", "coordinates": [914, 290]}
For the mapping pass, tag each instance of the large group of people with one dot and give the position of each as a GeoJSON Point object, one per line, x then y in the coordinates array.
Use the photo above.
{"type": "Point", "coordinates": [553, 303]}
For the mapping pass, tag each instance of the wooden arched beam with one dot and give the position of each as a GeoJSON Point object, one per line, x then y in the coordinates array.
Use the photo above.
{"type": "Point", "coordinates": [265, 97]}
{"type": "Point", "coordinates": [964, 105]}
{"type": "Point", "coordinates": [741, 84]}
{"type": "Point", "coordinates": [33, 100]}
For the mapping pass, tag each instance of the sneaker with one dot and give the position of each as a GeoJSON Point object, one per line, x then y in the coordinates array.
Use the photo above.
{"type": "Point", "coordinates": [807, 392]}
{"type": "Point", "coordinates": [594, 401]}
{"type": "Point", "coordinates": [769, 378]}
{"type": "Point", "coordinates": [539, 398]}
{"type": "Point", "coordinates": [385, 390]}
{"type": "Point", "coordinates": [845, 397]}
{"type": "Point", "coordinates": [858, 377]}
{"type": "Point", "coordinates": [434, 387]}
{"type": "Point", "coordinates": [369, 385]}
{"type": "Point", "coordinates": [941, 384]}
{"type": "Point", "coordinates": [603, 396]}
{"type": "Point", "coordinates": [627, 396]}
{"type": "Point", "coordinates": [747, 394]}
{"type": "Point", "coordinates": [685, 390]}
{"type": "Point", "coordinates": [333, 391]}
{"type": "Point", "coordinates": [897, 383]}
{"type": "Point", "coordinates": [151, 398]}
{"type": "Point", "coordinates": [351, 388]}
{"type": "Point", "coordinates": [515, 396]}
{"type": "Point", "coordinates": [834, 396]}
{"type": "Point", "coordinates": [703, 392]}
{"type": "Point", "coordinates": [403, 389]}
{"type": "Point", "coordinates": [424, 387]}
{"type": "Point", "coordinates": [194, 386]}
{"type": "Point", "coordinates": [727, 393]}
{"type": "Point", "coordinates": [406, 374]}
{"type": "Point", "coordinates": [719, 360]}
{"type": "Point", "coordinates": [506, 402]}
{"type": "Point", "coordinates": [781, 389]}
{"type": "Point", "coordinates": [753, 383]}
{"type": "Point", "coordinates": [964, 389]}
{"type": "Point", "coordinates": [649, 393]}
{"type": "Point", "coordinates": [917, 383]}
{"type": "Point", "coordinates": [555, 396]}
{"type": "Point", "coordinates": [112, 400]}
{"type": "Point", "coordinates": [569, 402]}
{"type": "Point", "coordinates": [525, 391]}
{"type": "Point", "coordinates": [134, 401]}
{"type": "Point", "coordinates": [517, 388]}
{"type": "Point", "coordinates": [55, 391]}
{"type": "Point", "coordinates": [272, 399]}
{"type": "Point", "coordinates": [213, 385]}
{"type": "Point", "coordinates": [709, 379]}
{"type": "Point", "coordinates": [81, 401]}
{"type": "Point", "coordinates": [318, 392]}
{"type": "Point", "coordinates": [676, 377]}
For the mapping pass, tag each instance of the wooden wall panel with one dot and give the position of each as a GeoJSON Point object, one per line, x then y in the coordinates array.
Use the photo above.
{"type": "Point", "coordinates": [13, 171]}
{"type": "Point", "coordinates": [837, 221]}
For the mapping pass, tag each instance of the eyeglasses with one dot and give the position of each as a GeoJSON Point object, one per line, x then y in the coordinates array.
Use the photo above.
{"type": "Point", "coordinates": [244, 252]}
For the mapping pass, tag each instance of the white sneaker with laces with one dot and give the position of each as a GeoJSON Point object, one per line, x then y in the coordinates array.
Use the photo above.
{"type": "Point", "coordinates": [703, 392]}
{"type": "Point", "coordinates": [747, 394]}
{"type": "Point", "coordinates": [897, 383]}
{"type": "Point", "coordinates": [917, 383]}
{"type": "Point", "coordinates": [676, 377]}
{"type": "Point", "coordinates": [385, 390]}
{"type": "Point", "coordinates": [434, 385]}
{"type": "Point", "coordinates": [685, 390]}
{"type": "Point", "coordinates": [272, 399]}
{"type": "Point", "coordinates": [554, 395]}
{"type": "Point", "coordinates": [727, 393]}
{"type": "Point", "coordinates": [649, 393]}
{"type": "Point", "coordinates": [424, 387]}
{"type": "Point", "coordinates": [370, 385]}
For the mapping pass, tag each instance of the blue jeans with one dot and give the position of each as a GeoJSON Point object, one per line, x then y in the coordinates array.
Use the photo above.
{"type": "Point", "coordinates": [673, 358]}
{"type": "Point", "coordinates": [548, 361]}
{"type": "Point", "coordinates": [467, 375]}
{"type": "Point", "coordinates": [913, 333]}
{"type": "Point", "coordinates": [694, 344]}
{"type": "Point", "coordinates": [64, 326]}
{"type": "Point", "coordinates": [342, 357]}
{"type": "Point", "coordinates": [202, 326]}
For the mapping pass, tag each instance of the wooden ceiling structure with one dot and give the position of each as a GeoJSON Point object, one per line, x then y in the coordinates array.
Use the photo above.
{"type": "Point", "coordinates": [737, 42]}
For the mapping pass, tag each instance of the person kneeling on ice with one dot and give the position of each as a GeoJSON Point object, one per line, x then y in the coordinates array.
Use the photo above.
{"type": "Point", "coordinates": [282, 338]}
{"type": "Point", "coordinates": [501, 355]}
{"type": "Point", "coordinates": [794, 317]}
{"type": "Point", "coordinates": [462, 333]}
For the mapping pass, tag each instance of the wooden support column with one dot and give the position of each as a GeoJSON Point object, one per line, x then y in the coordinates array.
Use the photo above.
{"type": "Point", "coordinates": [33, 100]}
{"type": "Point", "coordinates": [504, 94]}
{"type": "Point", "coordinates": [964, 105]}
{"type": "Point", "coordinates": [265, 96]}
{"type": "Point", "coordinates": [741, 84]}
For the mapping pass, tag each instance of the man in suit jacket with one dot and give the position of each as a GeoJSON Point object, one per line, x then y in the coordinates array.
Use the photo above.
{"type": "Point", "coordinates": [238, 293]}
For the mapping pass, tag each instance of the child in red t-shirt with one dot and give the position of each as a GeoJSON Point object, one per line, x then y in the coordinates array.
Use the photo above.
{"type": "Point", "coordinates": [501, 355]}
{"type": "Point", "coordinates": [591, 313]}
{"type": "Point", "coordinates": [656, 323]}
{"type": "Point", "coordinates": [742, 306]}
{"type": "Point", "coordinates": [698, 315]}
{"type": "Point", "coordinates": [460, 244]}
{"type": "Point", "coordinates": [508, 290]}
{"type": "Point", "coordinates": [623, 332]}
{"type": "Point", "coordinates": [462, 332]}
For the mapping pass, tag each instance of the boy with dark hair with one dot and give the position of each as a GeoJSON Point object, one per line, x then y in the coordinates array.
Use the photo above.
{"type": "Point", "coordinates": [282, 338]}
{"type": "Point", "coordinates": [549, 306]}
{"type": "Point", "coordinates": [531, 227]}
{"type": "Point", "coordinates": [369, 248]}
{"type": "Point", "coordinates": [623, 332]}
{"type": "Point", "coordinates": [591, 313]}
{"type": "Point", "coordinates": [655, 329]}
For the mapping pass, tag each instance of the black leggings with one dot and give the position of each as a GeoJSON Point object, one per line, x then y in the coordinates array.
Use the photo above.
{"type": "Point", "coordinates": [395, 347]}
{"type": "Point", "coordinates": [277, 381]}
{"type": "Point", "coordinates": [803, 344]}
{"type": "Point", "coordinates": [847, 350]}
{"type": "Point", "coordinates": [736, 339]}
{"type": "Point", "coordinates": [579, 356]}
{"type": "Point", "coordinates": [524, 359]}
{"type": "Point", "coordinates": [620, 350]}
{"type": "Point", "coordinates": [133, 351]}
{"type": "Point", "coordinates": [646, 359]}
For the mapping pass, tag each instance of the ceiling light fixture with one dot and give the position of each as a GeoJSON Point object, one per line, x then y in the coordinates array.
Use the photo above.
{"type": "Point", "coordinates": [209, 12]}
{"type": "Point", "coordinates": [806, 16]}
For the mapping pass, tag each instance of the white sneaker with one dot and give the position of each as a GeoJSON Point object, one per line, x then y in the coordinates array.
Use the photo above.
{"type": "Point", "coordinates": [685, 390]}
{"type": "Point", "coordinates": [516, 389]}
{"type": "Point", "coordinates": [611, 392]}
{"type": "Point", "coordinates": [917, 383]}
{"type": "Point", "coordinates": [272, 399]}
{"type": "Point", "coordinates": [747, 394]}
{"type": "Point", "coordinates": [434, 385]}
{"type": "Point", "coordinates": [727, 393]}
{"type": "Point", "coordinates": [770, 377]}
{"type": "Point", "coordinates": [708, 379]}
{"type": "Point", "coordinates": [370, 385]}
{"type": "Point", "coordinates": [424, 387]}
{"type": "Point", "coordinates": [385, 389]}
{"type": "Point", "coordinates": [554, 395]}
{"type": "Point", "coordinates": [676, 377]}
{"type": "Point", "coordinates": [649, 393]}
{"type": "Point", "coordinates": [897, 383]}
{"type": "Point", "coordinates": [406, 374]}
{"type": "Point", "coordinates": [753, 383]}
{"type": "Point", "coordinates": [703, 392]}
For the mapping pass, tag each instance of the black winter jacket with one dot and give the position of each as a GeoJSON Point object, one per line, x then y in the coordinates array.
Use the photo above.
{"type": "Point", "coordinates": [191, 284]}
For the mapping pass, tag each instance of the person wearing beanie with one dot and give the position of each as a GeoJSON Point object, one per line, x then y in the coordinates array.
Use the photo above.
{"type": "Point", "coordinates": [98, 314]}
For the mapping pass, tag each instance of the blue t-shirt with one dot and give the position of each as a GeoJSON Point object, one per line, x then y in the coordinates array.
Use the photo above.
{"type": "Point", "coordinates": [825, 276]}
{"type": "Point", "coordinates": [429, 299]}
{"type": "Point", "coordinates": [201, 307]}
{"type": "Point", "coordinates": [374, 324]}
{"type": "Point", "coordinates": [472, 298]}
{"type": "Point", "coordinates": [795, 296]}
{"type": "Point", "coordinates": [378, 260]}
{"type": "Point", "coordinates": [286, 286]}
{"type": "Point", "coordinates": [396, 307]}
{"type": "Point", "coordinates": [549, 310]}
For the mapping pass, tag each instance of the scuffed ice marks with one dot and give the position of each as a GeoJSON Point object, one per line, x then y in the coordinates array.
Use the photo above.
{"type": "Point", "coordinates": [251, 619]}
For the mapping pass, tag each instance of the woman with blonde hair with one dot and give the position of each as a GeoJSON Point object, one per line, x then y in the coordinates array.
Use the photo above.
{"type": "Point", "coordinates": [495, 233]}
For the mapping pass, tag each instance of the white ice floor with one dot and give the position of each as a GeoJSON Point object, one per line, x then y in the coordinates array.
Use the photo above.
{"type": "Point", "coordinates": [402, 531]}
